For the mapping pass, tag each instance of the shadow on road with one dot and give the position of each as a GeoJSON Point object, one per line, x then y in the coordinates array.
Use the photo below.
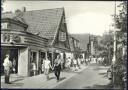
{"type": "Point", "coordinates": [103, 74]}
{"type": "Point", "coordinates": [62, 78]}
{"type": "Point", "coordinates": [97, 87]}
{"type": "Point", "coordinates": [11, 85]}
{"type": "Point", "coordinates": [100, 68]}
{"type": "Point", "coordinates": [16, 80]}
{"type": "Point", "coordinates": [50, 78]}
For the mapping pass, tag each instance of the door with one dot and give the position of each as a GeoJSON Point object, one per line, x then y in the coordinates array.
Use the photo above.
{"type": "Point", "coordinates": [13, 53]}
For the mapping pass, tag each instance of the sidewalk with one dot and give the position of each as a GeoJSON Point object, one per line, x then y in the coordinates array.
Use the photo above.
{"type": "Point", "coordinates": [39, 81]}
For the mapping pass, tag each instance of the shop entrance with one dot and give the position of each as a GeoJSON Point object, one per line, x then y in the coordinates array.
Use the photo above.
{"type": "Point", "coordinates": [13, 53]}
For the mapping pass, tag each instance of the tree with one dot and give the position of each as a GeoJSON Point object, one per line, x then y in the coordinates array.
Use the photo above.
{"type": "Point", "coordinates": [106, 45]}
{"type": "Point", "coordinates": [121, 18]}
{"type": "Point", "coordinates": [121, 23]}
{"type": "Point", "coordinates": [107, 38]}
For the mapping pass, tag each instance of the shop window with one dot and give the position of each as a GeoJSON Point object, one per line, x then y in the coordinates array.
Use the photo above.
{"type": "Point", "coordinates": [33, 62]}
{"type": "Point", "coordinates": [33, 56]}
{"type": "Point", "coordinates": [42, 56]}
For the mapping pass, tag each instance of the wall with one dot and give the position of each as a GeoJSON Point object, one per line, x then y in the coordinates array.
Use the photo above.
{"type": "Point", "coordinates": [23, 62]}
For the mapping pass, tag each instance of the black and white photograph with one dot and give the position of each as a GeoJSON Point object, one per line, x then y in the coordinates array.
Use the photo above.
{"type": "Point", "coordinates": [63, 44]}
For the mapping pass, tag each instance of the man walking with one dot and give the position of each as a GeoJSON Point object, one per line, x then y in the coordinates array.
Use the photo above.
{"type": "Point", "coordinates": [57, 67]}
{"type": "Point", "coordinates": [79, 63]}
{"type": "Point", "coordinates": [7, 67]}
{"type": "Point", "coordinates": [75, 64]}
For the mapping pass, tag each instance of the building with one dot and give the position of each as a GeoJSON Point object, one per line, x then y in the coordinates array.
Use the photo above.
{"type": "Point", "coordinates": [92, 45]}
{"type": "Point", "coordinates": [30, 36]}
{"type": "Point", "coordinates": [74, 47]}
{"type": "Point", "coordinates": [83, 41]}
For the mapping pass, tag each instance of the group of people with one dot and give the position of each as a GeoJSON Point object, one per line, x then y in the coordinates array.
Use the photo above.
{"type": "Point", "coordinates": [8, 67]}
{"type": "Point", "coordinates": [75, 63]}
{"type": "Point", "coordinates": [100, 60]}
{"type": "Point", "coordinates": [46, 66]}
{"type": "Point", "coordinates": [56, 67]}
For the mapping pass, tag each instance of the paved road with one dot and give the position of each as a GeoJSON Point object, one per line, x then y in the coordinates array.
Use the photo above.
{"type": "Point", "coordinates": [92, 77]}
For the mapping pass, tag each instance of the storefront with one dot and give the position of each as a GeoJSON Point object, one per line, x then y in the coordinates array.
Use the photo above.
{"type": "Point", "coordinates": [21, 46]}
{"type": "Point", "coordinates": [31, 38]}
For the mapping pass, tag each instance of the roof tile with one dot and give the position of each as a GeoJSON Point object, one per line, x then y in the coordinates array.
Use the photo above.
{"type": "Point", "coordinates": [44, 22]}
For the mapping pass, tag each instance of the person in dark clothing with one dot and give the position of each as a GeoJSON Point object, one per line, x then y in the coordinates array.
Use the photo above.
{"type": "Point", "coordinates": [57, 67]}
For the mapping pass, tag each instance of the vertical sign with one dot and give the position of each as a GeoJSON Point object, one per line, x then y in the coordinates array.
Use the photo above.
{"type": "Point", "coordinates": [62, 36]}
{"type": "Point", "coordinates": [4, 25]}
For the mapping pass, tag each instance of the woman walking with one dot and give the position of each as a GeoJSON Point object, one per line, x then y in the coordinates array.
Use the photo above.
{"type": "Point", "coordinates": [79, 63]}
{"type": "Point", "coordinates": [75, 64]}
{"type": "Point", "coordinates": [57, 67]}
{"type": "Point", "coordinates": [47, 66]}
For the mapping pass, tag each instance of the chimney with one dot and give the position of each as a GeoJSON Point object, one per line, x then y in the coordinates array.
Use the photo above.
{"type": "Point", "coordinates": [23, 9]}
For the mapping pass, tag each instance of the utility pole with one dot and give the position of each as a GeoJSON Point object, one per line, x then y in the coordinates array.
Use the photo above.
{"type": "Point", "coordinates": [114, 55]}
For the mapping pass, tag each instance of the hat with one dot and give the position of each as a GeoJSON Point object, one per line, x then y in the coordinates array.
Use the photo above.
{"type": "Point", "coordinates": [7, 55]}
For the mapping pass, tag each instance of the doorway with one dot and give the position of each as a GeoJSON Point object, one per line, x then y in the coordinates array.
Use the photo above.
{"type": "Point", "coordinates": [13, 53]}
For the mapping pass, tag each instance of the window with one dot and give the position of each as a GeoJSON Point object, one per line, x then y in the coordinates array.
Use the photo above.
{"type": "Point", "coordinates": [33, 56]}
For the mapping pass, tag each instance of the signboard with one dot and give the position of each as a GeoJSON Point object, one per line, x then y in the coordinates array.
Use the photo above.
{"type": "Point", "coordinates": [62, 36]}
{"type": "Point", "coordinates": [11, 38]}
{"type": "Point", "coordinates": [4, 25]}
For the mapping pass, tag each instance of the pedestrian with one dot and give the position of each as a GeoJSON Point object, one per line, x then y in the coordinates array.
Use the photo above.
{"type": "Point", "coordinates": [75, 64]}
{"type": "Point", "coordinates": [57, 67]}
{"type": "Point", "coordinates": [34, 68]}
{"type": "Point", "coordinates": [82, 61]}
{"type": "Point", "coordinates": [62, 63]}
{"type": "Point", "coordinates": [86, 61]}
{"type": "Point", "coordinates": [14, 65]}
{"type": "Point", "coordinates": [96, 60]}
{"type": "Point", "coordinates": [7, 68]}
{"type": "Point", "coordinates": [42, 67]}
{"type": "Point", "coordinates": [69, 62]}
{"type": "Point", "coordinates": [47, 66]}
{"type": "Point", "coordinates": [79, 63]}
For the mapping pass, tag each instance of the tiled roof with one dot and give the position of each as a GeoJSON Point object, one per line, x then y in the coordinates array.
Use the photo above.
{"type": "Point", "coordinates": [43, 22]}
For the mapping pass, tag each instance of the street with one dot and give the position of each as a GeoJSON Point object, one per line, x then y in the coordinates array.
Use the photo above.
{"type": "Point", "coordinates": [92, 77]}
{"type": "Point", "coordinates": [88, 77]}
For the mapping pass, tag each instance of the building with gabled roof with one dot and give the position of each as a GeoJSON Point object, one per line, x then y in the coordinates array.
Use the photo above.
{"type": "Point", "coordinates": [30, 36]}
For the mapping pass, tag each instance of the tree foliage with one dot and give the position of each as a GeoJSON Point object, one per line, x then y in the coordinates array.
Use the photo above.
{"type": "Point", "coordinates": [107, 39]}
{"type": "Point", "coordinates": [121, 18]}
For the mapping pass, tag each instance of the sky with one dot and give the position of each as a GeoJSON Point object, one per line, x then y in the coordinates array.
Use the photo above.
{"type": "Point", "coordinates": [93, 17]}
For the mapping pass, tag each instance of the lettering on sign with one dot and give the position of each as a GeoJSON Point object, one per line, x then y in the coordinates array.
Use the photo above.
{"type": "Point", "coordinates": [16, 38]}
{"type": "Point", "coordinates": [4, 25]}
{"type": "Point", "coordinates": [62, 36]}
{"type": "Point", "coordinates": [6, 37]}
{"type": "Point", "coordinates": [11, 38]}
